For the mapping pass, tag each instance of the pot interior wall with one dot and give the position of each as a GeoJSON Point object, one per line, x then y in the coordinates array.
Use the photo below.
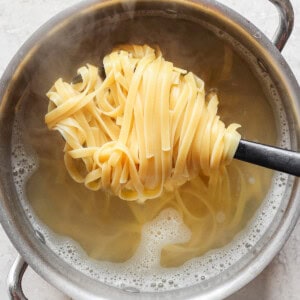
{"type": "Point", "coordinates": [85, 38]}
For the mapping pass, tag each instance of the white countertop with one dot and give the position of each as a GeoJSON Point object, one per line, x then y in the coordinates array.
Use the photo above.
{"type": "Point", "coordinates": [20, 18]}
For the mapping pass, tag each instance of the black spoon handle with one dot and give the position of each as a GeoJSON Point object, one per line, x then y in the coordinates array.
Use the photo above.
{"type": "Point", "coordinates": [270, 157]}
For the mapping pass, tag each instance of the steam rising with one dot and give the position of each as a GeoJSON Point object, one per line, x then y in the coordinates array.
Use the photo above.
{"type": "Point", "coordinates": [86, 39]}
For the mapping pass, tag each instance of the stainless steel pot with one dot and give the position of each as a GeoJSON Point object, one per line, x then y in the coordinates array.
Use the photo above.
{"type": "Point", "coordinates": [223, 22]}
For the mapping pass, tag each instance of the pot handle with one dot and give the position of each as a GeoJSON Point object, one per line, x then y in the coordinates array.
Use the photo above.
{"type": "Point", "coordinates": [14, 279]}
{"type": "Point", "coordinates": [286, 22]}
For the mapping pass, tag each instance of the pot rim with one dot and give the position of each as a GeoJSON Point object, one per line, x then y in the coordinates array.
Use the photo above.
{"type": "Point", "coordinates": [65, 282]}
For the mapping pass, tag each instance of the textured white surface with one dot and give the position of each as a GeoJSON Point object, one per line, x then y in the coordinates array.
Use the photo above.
{"type": "Point", "coordinates": [20, 18]}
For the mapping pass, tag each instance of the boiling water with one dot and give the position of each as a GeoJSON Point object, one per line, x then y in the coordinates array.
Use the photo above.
{"type": "Point", "coordinates": [128, 245]}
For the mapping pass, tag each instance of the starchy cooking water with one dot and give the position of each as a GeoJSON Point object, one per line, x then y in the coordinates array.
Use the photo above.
{"type": "Point", "coordinates": [155, 246]}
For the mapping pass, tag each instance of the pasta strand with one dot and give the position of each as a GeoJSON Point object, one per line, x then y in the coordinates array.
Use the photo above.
{"type": "Point", "coordinates": [147, 126]}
